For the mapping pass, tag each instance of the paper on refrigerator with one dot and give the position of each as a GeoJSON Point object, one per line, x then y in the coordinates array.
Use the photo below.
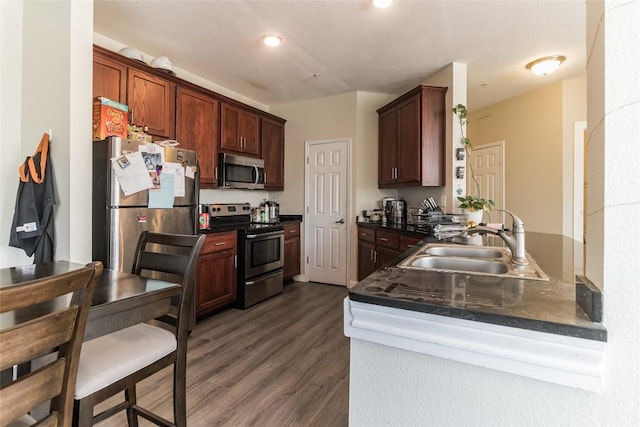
{"type": "Point", "coordinates": [178, 170]}
{"type": "Point", "coordinates": [132, 173]}
{"type": "Point", "coordinates": [163, 196]}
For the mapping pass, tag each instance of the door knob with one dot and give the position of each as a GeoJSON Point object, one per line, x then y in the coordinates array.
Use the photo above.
{"type": "Point", "coordinates": [340, 222]}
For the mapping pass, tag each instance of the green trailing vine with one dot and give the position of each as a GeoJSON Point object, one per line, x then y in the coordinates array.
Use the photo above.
{"type": "Point", "coordinates": [470, 202]}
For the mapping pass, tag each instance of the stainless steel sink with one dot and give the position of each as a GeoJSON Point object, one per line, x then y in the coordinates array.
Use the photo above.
{"type": "Point", "coordinates": [466, 251]}
{"type": "Point", "coordinates": [481, 260]}
{"type": "Point", "coordinates": [460, 264]}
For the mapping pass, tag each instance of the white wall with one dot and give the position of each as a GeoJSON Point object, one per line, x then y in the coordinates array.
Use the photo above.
{"type": "Point", "coordinates": [537, 128]}
{"type": "Point", "coordinates": [399, 388]}
{"type": "Point", "coordinates": [351, 115]}
{"type": "Point", "coordinates": [49, 87]}
{"type": "Point", "coordinates": [532, 127]}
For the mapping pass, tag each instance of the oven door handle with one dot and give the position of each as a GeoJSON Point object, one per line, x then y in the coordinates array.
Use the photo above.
{"type": "Point", "coordinates": [269, 234]}
{"type": "Point", "coordinates": [264, 277]}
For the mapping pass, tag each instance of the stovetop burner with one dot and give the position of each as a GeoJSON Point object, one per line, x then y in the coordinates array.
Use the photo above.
{"type": "Point", "coordinates": [228, 216]}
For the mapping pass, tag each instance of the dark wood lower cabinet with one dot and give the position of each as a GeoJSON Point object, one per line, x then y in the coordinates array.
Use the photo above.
{"type": "Point", "coordinates": [217, 272]}
{"type": "Point", "coordinates": [377, 248]}
{"type": "Point", "coordinates": [291, 250]}
{"type": "Point", "coordinates": [366, 259]}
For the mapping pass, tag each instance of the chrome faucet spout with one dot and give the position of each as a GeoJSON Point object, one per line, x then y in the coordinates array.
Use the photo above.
{"type": "Point", "coordinates": [515, 242]}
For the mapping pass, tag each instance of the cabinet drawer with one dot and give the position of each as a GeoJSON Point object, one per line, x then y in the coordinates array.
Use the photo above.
{"type": "Point", "coordinates": [407, 242]}
{"type": "Point", "coordinates": [291, 231]}
{"type": "Point", "coordinates": [388, 239]}
{"type": "Point", "coordinates": [219, 242]}
{"type": "Point", "coordinates": [367, 234]}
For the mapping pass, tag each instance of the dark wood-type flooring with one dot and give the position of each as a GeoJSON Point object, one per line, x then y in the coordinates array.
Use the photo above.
{"type": "Point", "coordinates": [283, 362]}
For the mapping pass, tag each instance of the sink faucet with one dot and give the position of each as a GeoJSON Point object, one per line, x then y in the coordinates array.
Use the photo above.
{"type": "Point", "coordinates": [515, 242]}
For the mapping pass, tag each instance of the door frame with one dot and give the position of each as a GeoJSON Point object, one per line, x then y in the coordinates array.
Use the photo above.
{"type": "Point", "coordinates": [307, 145]}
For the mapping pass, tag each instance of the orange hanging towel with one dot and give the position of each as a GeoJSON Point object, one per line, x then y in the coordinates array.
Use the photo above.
{"type": "Point", "coordinates": [43, 149]}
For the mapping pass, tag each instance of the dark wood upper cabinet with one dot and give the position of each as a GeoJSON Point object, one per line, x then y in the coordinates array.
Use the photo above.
{"type": "Point", "coordinates": [273, 153]}
{"type": "Point", "coordinates": [151, 102]}
{"type": "Point", "coordinates": [411, 146]}
{"type": "Point", "coordinates": [240, 131]}
{"type": "Point", "coordinates": [387, 129]}
{"type": "Point", "coordinates": [197, 128]}
{"type": "Point", "coordinates": [109, 79]}
{"type": "Point", "coordinates": [198, 118]}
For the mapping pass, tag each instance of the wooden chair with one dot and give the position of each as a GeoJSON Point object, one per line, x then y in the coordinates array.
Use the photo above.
{"type": "Point", "coordinates": [118, 361]}
{"type": "Point", "coordinates": [50, 331]}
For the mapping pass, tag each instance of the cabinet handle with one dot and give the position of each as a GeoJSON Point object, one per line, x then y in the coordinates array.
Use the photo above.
{"type": "Point", "coordinates": [216, 173]}
{"type": "Point", "coordinates": [371, 255]}
{"type": "Point", "coordinates": [393, 173]}
{"type": "Point", "coordinates": [235, 261]}
{"type": "Point", "coordinates": [219, 243]}
{"type": "Point", "coordinates": [384, 239]}
{"type": "Point", "coordinates": [375, 256]}
{"type": "Point", "coordinates": [132, 120]}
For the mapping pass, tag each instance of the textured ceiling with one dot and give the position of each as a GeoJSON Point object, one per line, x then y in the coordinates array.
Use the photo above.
{"type": "Point", "coordinates": [351, 45]}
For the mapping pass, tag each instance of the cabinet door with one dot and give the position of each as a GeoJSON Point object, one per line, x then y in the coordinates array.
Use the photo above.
{"type": "Point", "coordinates": [385, 256]}
{"type": "Point", "coordinates": [152, 102]}
{"type": "Point", "coordinates": [273, 154]}
{"type": "Point", "coordinates": [366, 259]}
{"type": "Point", "coordinates": [109, 79]}
{"type": "Point", "coordinates": [216, 280]}
{"type": "Point", "coordinates": [239, 131]}
{"type": "Point", "coordinates": [197, 128]}
{"type": "Point", "coordinates": [387, 128]}
{"type": "Point", "coordinates": [433, 136]}
{"type": "Point", "coordinates": [250, 132]}
{"type": "Point", "coordinates": [291, 258]}
{"type": "Point", "coordinates": [408, 150]}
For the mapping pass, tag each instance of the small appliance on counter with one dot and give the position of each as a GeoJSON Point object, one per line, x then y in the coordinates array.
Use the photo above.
{"type": "Point", "coordinates": [267, 212]}
{"type": "Point", "coordinates": [395, 211]}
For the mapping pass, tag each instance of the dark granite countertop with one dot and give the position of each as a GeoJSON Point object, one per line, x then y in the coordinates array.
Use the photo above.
{"type": "Point", "coordinates": [544, 306]}
{"type": "Point", "coordinates": [290, 218]}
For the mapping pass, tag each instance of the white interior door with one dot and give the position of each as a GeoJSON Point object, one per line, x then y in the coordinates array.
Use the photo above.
{"type": "Point", "coordinates": [327, 188]}
{"type": "Point", "coordinates": [488, 166]}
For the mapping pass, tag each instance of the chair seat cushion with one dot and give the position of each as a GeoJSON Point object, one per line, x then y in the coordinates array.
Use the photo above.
{"type": "Point", "coordinates": [109, 358]}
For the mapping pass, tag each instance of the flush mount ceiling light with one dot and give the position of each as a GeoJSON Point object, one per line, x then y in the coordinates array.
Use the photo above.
{"type": "Point", "coordinates": [272, 40]}
{"type": "Point", "coordinates": [381, 4]}
{"type": "Point", "coordinates": [546, 65]}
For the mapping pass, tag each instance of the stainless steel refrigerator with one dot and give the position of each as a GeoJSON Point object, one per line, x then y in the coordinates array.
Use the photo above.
{"type": "Point", "coordinates": [118, 220]}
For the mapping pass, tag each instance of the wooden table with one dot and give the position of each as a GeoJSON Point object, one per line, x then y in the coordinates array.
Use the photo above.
{"type": "Point", "coordinates": [119, 300]}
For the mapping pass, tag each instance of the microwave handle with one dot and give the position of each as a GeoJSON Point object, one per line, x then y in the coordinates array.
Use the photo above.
{"type": "Point", "coordinates": [255, 167]}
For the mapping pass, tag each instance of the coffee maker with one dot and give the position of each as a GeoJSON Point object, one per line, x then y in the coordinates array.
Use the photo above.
{"type": "Point", "coordinates": [396, 211]}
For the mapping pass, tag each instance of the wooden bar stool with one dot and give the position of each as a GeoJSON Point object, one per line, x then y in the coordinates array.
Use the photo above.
{"type": "Point", "coordinates": [50, 330]}
{"type": "Point", "coordinates": [116, 362]}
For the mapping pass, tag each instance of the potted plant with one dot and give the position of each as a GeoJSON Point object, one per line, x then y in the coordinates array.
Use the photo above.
{"type": "Point", "coordinates": [471, 202]}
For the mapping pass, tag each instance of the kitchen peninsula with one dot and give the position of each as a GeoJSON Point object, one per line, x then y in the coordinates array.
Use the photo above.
{"type": "Point", "coordinates": [533, 328]}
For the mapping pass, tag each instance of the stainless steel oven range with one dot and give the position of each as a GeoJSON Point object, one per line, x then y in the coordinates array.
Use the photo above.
{"type": "Point", "coordinates": [260, 252]}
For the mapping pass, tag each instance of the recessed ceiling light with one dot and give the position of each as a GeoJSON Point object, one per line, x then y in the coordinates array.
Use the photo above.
{"type": "Point", "coordinates": [381, 4]}
{"type": "Point", "coordinates": [546, 65]}
{"type": "Point", "coordinates": [272, 40]}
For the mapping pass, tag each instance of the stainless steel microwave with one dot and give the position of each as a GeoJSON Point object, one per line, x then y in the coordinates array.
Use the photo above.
{"type": "Point", "coordinates": [241, 172]}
